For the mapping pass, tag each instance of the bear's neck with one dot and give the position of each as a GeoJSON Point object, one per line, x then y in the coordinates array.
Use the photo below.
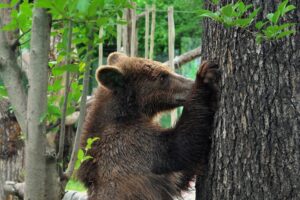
{"type": "Point", "coordinates": [117, 107]}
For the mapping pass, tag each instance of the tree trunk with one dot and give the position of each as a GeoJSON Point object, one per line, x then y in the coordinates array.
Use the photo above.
{"type": "Point", "coordinates": [11, 148]}
{"type": "Point", "coordinates": [35, 165]}
{"type": "Point", "coordinates": [255, 145]}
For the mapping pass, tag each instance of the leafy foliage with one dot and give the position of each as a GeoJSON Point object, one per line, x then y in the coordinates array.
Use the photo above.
{"type": "Point", "coordinates": [83, 153]}
{"type": "Point", "coordinates": [3, 92]}
{"type": "Point", "coordinates": [239, 15]}
{"type": "Point", "coordinates": [86, 15]}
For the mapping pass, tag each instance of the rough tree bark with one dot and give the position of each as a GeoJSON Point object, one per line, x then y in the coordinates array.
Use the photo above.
{"type": "Point", "coordinates": [255, 145]}
{"type": "Point", "coordinates": [11, 148]}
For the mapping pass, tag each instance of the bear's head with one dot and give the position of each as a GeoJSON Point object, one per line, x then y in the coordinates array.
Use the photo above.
{"type": "Point", "coordinates": [147, 86]}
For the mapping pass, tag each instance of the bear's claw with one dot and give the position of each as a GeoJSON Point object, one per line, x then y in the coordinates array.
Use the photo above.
{"type": "Point", "coordinates": [209, 73]}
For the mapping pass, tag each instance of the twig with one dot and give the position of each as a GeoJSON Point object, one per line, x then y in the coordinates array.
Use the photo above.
{"type": "Point", "coordinates": [23, 34]}
{"type": "Point", "coordinates": [66, 94]}
{"type": "Point", "coordinates": [141, 15]}
{"type": "Point", "coordinates": [17, 43]}
{"type": "Point", "coordinates": [186, 57]}
{"type": "Point", "coordinates": [73, 159]}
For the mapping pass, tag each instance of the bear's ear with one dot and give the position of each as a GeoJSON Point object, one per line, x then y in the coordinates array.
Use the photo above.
{"type": "Point", "coordinates": [115, 57]}
{"type": "Point", "coordinates": [111, 77]}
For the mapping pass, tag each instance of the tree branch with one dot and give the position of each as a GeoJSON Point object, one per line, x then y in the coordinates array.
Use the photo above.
{"type": "Point", "coordinates": [66, 94]}
{"type": "Point", "coordinates": [186, 57]}
{"type": "Point", "coordinates": [140, 15]}
{"type": "Point", "coordinates": [14, 79]}
{"type": "Point", "coordinates": [73, 159]}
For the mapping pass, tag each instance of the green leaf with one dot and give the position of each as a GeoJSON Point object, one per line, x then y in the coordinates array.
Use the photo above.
{"type": "Point", "coordinates": [80, 155]}
{"type": "Point", "coordinates": [260, 24]}
{"type": "Point", "coordinates": [282, 6]}
{"type": "Point", "coordinates": [77, 164]}
{"type": "Point", "coordinates": [70, 109]}
{"type": "Point", "coordinates": [243, 22]}
{"type": "Point", "coordinates": [228, 21]}
{"type": "Point", "coordinates": [286, 25]}
{"type": "Point", "coordinates": [85, 158]}
{"type": "Point", "coordinates": [59, 70]}
{"type": "Point", "coordinates": [90, 141]}
{"type": "Point", "coordinates": [210, 14]}
{"type": "Point", "coordinates": [240, 7]}
{"type": "Point", "coordinates": [95, 7]}
{"type": "Point", "coordinates": [275, 17]}
{"type": "Point", "coordinates": [271, 31]}
{"type": "Point", "coordinates": [285, 34]}
{"type": "Point", "coordinates": [270, 17]}
{"type": "Point", "coordinates": [215, 1]}
{"type": "Point", "coordinates": [82, 6]}
{"type": "Point", "coordinates": [43, 4]}
{"type": "Point", "coordinates": [227, 10]}
{"type": "Point", "coordinates": [254, 13]}
{"type": "Point", "coordinates": [56, 86]}
{"type": "Point", "coordinates": [54, 110]}
{"type": "Point", "coordinates": [259, 38]}
{"type": "Point", "coordinates": [3, 92]}
{"type": "Point", "coordinates": [101, 21]}
{"type": "Point", "coordinates": [288, 9]}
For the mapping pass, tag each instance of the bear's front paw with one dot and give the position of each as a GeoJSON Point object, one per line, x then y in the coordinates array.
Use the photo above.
{"type": "Point", "coordinates": [208, 74]}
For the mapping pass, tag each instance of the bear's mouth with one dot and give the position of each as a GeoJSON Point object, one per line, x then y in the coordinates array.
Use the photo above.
{"type": "Point", "coordinates": [183, 90]}
{"type": "Point", "coordinates": [182, 97]}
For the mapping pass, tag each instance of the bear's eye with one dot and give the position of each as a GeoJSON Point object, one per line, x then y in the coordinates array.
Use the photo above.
{"type": "Point", "coordinates": [163, 77]}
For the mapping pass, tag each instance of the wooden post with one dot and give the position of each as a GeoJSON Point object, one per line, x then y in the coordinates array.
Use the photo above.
{"type": "Point", "coordinates": [125, 32]}
{"type": "Point", "coordinates": [119, 36]}
{"type": "Point", "coordinates": [171, 44]}
{"type": "Point", "coordinates": [136, 49]}
{"type": "Point", "coordinates": [100, 59]}
{"type": "Point", "coordinates": [147, 32]}
{"type": "Point", "coordinates": [133, 26]}
{"type": "Point", "coordinates": [152, 32]}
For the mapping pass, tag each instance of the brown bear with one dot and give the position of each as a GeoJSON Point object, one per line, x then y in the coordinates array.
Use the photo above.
{"type": "Point", "coordinates": [136, 159]}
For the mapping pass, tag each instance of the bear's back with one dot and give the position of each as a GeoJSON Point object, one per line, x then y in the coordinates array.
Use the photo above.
{"type": "Point", "coordinates": [122, 164]}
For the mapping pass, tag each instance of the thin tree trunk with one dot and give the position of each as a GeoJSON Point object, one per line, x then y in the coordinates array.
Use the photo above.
{"type": "Point", "coordinates": [147, 32]}
{"type": "Point", "coordinates": [171, 45]}
{"type": "Point", "coordinates": [255, 152]}
{"type": "Point", "coordinates": [125, 32]}
{"type": "Point", "coordinates": [152, 36]}
{"type": "Point", "coordinates": [100, 57]}
{"type": "Point", "coordinates": [11, 148]}
{"type": "Point", "coordinates": [35, 164]}
{"type": "Point", "coordinates": [119, 36]}
{"type": "Point", "coordinates": [133, 30]}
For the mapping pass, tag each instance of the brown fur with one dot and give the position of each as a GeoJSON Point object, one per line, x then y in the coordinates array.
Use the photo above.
{"type": "Point", "coordinates": [135, 159]}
